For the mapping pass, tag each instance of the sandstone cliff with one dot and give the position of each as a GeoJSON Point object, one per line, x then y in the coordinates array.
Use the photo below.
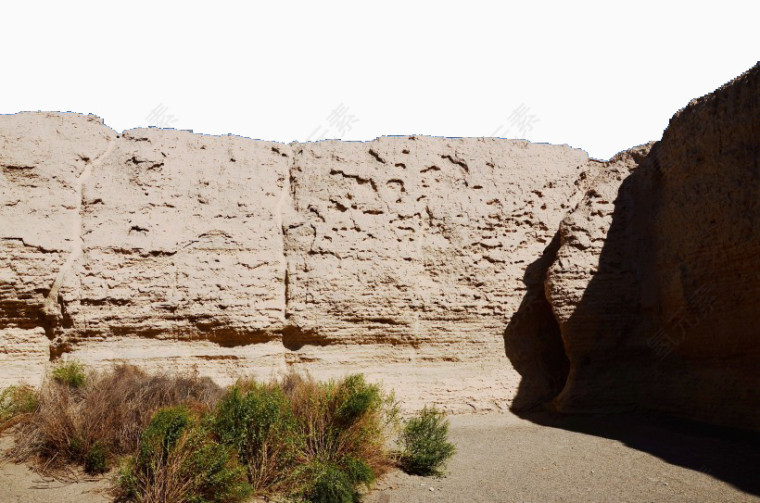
{"type": "Point", "coordinates": [401, 257]}
{"type": "Point", "coordinates": [417, 260]}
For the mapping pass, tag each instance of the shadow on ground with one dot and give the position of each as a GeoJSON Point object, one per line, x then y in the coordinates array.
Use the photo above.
{"type": "Point", "coordinates": [726, 454]}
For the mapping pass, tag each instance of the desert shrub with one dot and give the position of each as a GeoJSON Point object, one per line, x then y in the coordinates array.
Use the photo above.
{"type": "Point", "coordinates": [111, 410]}
{"type": "Point", "coordinates": [358, 471]}
{"type": "Point", "coordinates": [257, 421]}
{"type": "Point", "coordinates": [16, 401]}
{"type": "Point", "coordinates": [120, 403]}
{"type": "Point", "coordinates": [166, 427]}
{"type": "Point", "coordinates": [344, 426]}
{"type": "Point", "coordinates": [334, 483]}
{"type": "Point", "coordinates": [178, 461]}
{"type": "Point", "coordinates": [306, 438]}
{"type": "Point", "coordinates": [96, 459]}
{"type": "Point", "coordinates": [328, 483]}
{"type": "Point", "coordinates": [424, 442]}
{"type": "Point", "coordinates": [71, 373]}
{"type": "Point", "coordinates": [183, 439]}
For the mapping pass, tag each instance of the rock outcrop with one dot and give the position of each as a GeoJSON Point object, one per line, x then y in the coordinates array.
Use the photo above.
{"type": "Point", "coordinates": [420, 241]}
{"type": "Point", "coordinates": [612, 285]}
{"type": "Point", "coordinates": [401, 257]}
{"type": "Point", "coordinates": [654, 285]}
{"type": "Point", "coordinates": [182, 240]}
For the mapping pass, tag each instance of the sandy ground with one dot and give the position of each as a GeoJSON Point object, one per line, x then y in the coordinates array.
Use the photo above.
{"type": "Point", "coordinates": [19, 484]}
{"type": "Point", "coordinates": [502, 458]}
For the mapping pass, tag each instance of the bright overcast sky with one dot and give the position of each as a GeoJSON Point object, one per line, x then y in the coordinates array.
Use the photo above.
{"type": "Point", "coordinates": [602, 76]}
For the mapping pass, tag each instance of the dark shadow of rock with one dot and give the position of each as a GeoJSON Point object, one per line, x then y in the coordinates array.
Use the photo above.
{"type": "Point", "coordinates": [294, 338]}
{"type": "Point", "coordinates": [596, 336]}
{"type": "Point", "coordinates": [532, 339]}
{"type": "Point", "coordinates": [727, 454]}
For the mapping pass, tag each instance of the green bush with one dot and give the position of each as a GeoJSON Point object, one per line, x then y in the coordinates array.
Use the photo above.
{"type": "Point", "coordinates": [71, 373]}
{"type": "Point", "coordinates": [257, 422]}
{"type": "Point", "coordinates": [424, 442]}
{"type": "Point", "coordinates": [355, 399]}
{"type": "Point", "coordinates": [344, 425]}
{"type": "Point", "coordinates": [306, 438]}
{"type": "Point", "coordinates": [163, 432]}
{"type": "Point", "coordinates": [18, 400]}
{"type": "Point", "coordinates": [329, 483]}
{"type": "Point", "coordinates": [96, 459]}
{"type": "Point", "coordinates": [178, 461]}
{"type": "Point", "coordinates": [358, 471]}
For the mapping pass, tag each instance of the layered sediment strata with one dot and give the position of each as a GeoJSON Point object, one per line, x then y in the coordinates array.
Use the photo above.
{"type": "Point", "coordinates": [400, 257]}
{"type": "Point", "coordinates": [419, 240]}
{"type": "Point", "coordinates": [182, 240]}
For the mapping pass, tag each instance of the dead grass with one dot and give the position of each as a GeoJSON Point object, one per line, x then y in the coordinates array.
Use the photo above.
{"type": "Point", "coordinates": [111, 410]}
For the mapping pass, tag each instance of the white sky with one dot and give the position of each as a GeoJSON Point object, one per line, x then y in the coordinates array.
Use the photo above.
{"type": "Point", "coordinates": [602, 76]}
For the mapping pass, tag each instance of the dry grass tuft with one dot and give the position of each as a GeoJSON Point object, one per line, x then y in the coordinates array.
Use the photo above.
{"type": "Point", "coordinates": [108, 412]}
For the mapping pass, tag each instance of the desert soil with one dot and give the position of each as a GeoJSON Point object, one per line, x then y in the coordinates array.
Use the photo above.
{"type": "Point", "coordinates": [20, 484]}
{"type": "Point", "coordinates": [502, 458]}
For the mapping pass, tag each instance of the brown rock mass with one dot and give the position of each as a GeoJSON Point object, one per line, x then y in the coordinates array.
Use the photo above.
{"type": "Point", "coordinates": [654, 286]}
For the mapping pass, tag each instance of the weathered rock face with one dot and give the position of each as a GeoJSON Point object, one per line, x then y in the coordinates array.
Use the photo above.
{"type": "Point", "coordinates": [593, 285]}
{"type": "Point", "coordinates": [44, 159]}
{"type": "Point", "coordinates": [704, 297]}
{"type": "Point", "coordinates": [416, 260]}
{"type": "Point", "coordinates": [396, 257]}
{"type": "Point", "coordinates": [655, 284]}
{"type": "Point", "coordinates": [182, 240]}
{"type": "Point", "coordinates": [420, 240]}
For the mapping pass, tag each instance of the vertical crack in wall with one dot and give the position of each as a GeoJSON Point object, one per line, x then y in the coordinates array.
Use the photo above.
{"type": "Point", "coordinates": [285, 204]}
{"type": "Point", "coordinates": [54, 308]}
{"type": "Point", "coordinates": [294, 337]}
